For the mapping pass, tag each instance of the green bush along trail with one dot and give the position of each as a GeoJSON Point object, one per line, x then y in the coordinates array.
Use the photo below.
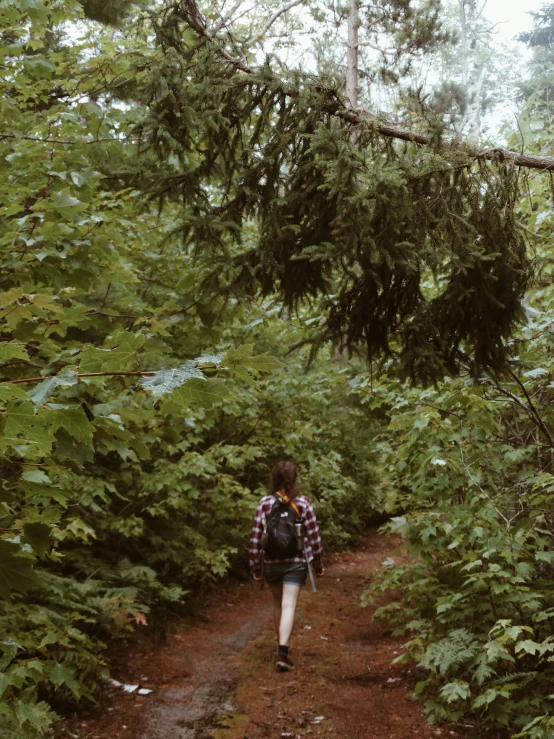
{"type": "Point", "coordinates": [133, 458]}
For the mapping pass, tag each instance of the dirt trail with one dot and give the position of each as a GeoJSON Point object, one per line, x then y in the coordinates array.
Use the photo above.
{"type": "Point", "coordinates": [215, 680]}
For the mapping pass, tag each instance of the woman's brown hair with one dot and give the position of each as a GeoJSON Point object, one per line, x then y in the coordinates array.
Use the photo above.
{"type": "Point", "coordinates": [283, 479]}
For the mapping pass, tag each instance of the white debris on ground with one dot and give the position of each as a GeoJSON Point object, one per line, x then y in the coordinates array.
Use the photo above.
{"type": "Point", "coordinates": [129, 688]}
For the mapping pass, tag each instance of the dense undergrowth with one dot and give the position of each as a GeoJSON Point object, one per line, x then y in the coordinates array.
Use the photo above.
{"type": "Point", "coordinates": [467, 475]}
{"type": "Point", "coordinates": [129, 475]}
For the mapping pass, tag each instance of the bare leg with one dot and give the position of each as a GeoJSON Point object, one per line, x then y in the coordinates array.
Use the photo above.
{"type": "Point", "coordinates": [288, 608]}
{"type": "Point", "coordinates": [277, 592]}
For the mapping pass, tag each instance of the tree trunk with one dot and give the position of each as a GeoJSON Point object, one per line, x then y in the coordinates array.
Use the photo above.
{"type": "Point", "coordinates": [352, 55]}
{"type": "Point", "coordinates": [473, 76]}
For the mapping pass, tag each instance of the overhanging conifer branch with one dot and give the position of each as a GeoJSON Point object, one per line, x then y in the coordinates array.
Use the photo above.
{"type": "Point", "coordinates": [340, 213]}
{"type": "Point", "coordinates": [188, 10]}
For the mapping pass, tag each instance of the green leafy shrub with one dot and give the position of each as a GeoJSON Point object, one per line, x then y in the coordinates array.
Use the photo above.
{"type": "Point", "coordinates": [131, 460]}
{"type": "Point", "coordinates": [473, 503]}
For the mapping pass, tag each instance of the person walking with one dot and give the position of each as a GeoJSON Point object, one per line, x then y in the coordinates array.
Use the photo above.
{"type": "Point", "coordinates": [285, 570]}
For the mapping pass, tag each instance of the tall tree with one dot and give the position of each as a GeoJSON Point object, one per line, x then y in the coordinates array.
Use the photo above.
{"type": "Point", "coordinates": [473, 71]}
{"type": "Point", "coordinates": [352, 74]}
{"type": "Point", "coordinates": [541, 41]}
{"type": "Point", "coordinates": [382, 38]}
{"type": "Point", "coordinates": [465, 84]}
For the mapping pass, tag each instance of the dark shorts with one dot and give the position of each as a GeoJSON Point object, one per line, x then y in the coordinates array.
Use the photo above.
{"type": "Point", "coordinates": [292, 573]}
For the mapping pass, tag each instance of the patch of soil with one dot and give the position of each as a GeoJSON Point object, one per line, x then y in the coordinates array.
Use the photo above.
{"type": "Point", "coordinates": [192, 676]}
{"type": "Point", "coordinates": [216, 679]}
{"type": "Point", "coordinates": [344, 683]}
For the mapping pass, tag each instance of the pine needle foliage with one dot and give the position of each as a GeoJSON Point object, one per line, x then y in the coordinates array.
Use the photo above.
{"type": "Point", "coordinates": [415, 252]}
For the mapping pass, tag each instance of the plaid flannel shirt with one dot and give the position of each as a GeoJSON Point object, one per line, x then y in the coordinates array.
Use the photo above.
{"type": "Point", "coordinates": [313, 550]}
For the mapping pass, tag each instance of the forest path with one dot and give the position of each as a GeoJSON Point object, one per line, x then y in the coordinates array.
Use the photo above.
{"type": "Point", "coordinates": [216, 679]}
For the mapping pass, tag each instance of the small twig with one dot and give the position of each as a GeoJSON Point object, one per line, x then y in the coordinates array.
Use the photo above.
{"type": "Point", "coordinates": [61, 142]}
{"type": "Point", "coordinates": [227, 19]}
{"type": "Point", "coordinates": [536, 414]}
{"type": "Point", "coordinates": [109, 315]}
{"type": "Point", "coordinates": [79, 375]}
{"type": "Point", "coordinates": [443, 410]}
{"type": "Point", "coordinates": [106, 295]}
{"type": "Point", "coordinates": [259, 36]}
{"type": "Point", "coordinates": [507, 521]}
{"type": "Point", "coordinates": [358, 675]}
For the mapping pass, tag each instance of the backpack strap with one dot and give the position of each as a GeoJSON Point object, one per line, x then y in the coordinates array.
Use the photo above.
{"type": "Point", "coordinates": [285, 498]}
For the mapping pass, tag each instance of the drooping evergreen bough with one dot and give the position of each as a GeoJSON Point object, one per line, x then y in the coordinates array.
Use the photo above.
{"type": "Point", "coordinates": [415, 251]}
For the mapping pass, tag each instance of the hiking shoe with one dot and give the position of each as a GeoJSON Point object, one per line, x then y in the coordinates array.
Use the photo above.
{"type": "Point", "coordinates": [283, 664]}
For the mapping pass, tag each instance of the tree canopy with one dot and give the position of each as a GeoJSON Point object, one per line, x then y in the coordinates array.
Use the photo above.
{"type": "Point", "coordinates": [283, 151]}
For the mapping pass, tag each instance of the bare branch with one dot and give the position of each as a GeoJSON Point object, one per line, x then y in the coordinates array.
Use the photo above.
{"type": "Point", "coordinates": [259, 36]}
{"type": "Point", "coordinates": [536, 414]}
{"type": "Point", "coordinates": [390, 52]}
{"type": "Point", "coordinates": [528, 407]}
{"type": "Point", "coordinates": [228, 17]}
{"type": "Point", "coordinates": [61, 142]}
{"type": "Point", "coordinates": [82, 374]}
{"type": "Point", "coordinates": [193, 17]}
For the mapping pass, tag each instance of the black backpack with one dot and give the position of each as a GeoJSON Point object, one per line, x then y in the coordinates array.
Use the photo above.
{"type": "Point", "coordinates": [281, 541]}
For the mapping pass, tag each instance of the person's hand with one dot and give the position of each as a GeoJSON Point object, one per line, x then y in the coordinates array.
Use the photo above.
{"type": "Point", "coordinates": [257, 577]}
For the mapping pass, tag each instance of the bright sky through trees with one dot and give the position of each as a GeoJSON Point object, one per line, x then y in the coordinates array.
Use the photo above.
{"type": "Point", "coordinates": [511, 15]}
